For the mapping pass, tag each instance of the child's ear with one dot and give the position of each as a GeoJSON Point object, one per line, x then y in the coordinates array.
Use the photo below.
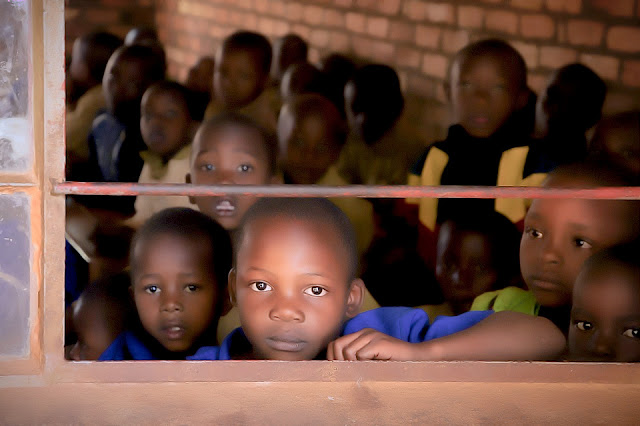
{"type": "Point", "coordinates": [447, 89]}
{"type": "Point", "coordinates": [232, 287]}
{"type": "Point", "coordinates": [187, 179]}
{"type": "Point", "coordinates": [356, 297]}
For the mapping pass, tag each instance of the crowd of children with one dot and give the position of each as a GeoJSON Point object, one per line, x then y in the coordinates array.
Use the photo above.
{"type": "Point", "coordinates": [242, 277]}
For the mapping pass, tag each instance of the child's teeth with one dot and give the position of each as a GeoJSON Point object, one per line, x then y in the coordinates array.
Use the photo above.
{"type": "Point", "coordinates": [175, 328]}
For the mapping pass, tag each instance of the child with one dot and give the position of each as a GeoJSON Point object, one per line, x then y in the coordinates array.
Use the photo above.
{"type": "Point", "coordinates": [617, 142]}
{"type": "Point", "coordinates": [179, 262]}
{"type": "Point", "coordinates": [338, 70]}
{"type": "Point", "coordinates": [288, 50]}
{"type": "Point", "coordinates": [301, 78]}
{"type": "Point", "coordinates": [115, 142]}
{"type": "Point", "coordinates": [167, 126]}
{"type": "Point", "coordinates": [200, 82]}
{"type": "Point", "coordinates": [101, 313]}
{"type": "Point", "coordinates": [89, 59]}
{"type": "Point", "coordinates": [240, 76]}
{"type": "Point", "coordinates": [377, 154]}
{"type": "Point", "coordinates": [294, 284]}
{"type": "Point", "coordinates": [605, 317]}
{"type": "Point", "coordinates": [476, 254]}
{"type": "Point", "coordinates": [486, 86]}
{"type": "Point", "coordinates": [560, 234]}
{"type": "Point", "coordinates": [231, 149]}
{"type": "Point", "coordinates": [311, 135]}
{"type": "Point", "coordinates": [141, 35]}
{"type": "Point", "coordinates": [569, 105]}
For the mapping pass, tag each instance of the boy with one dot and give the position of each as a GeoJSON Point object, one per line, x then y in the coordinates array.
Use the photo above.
{"type": "Point", "coordinates": [101, 313]}
{"type": "Point", "coordinates": [301, 78]}
{"type": "Point", "coordinates": [338, 70]}
{"type": "Point", "coordinates": [560, 234]}
{"type": "Point", "coordinates": [605, 317]}
{"type": "Point", "coordinates": [240, 76]}
{"type": "Point", "coordinates": [311, 135]}
{"type": "Point", "coordinates": [179, 262]}
{"type": "Point", "coordinates": [200, 82]}
{"type": "Point", "coordinates": [115, 142]}
{"type": "Point", "coordinates": [294, 284]}
{"type": "Point", "coordinates": [167, 127]}
{"type": "Point", "coordinates": [141, 35]}
{"type": "Point", "coordinates": [376, 155]}
{"type": "Point", "coordinates": [476, 254]}
{"type": "Point", "coordinates": [89, 59]}
{"type": "Point", "coordinates": [569, 105]}
{"type": "Point", "coordinates": [617, 142]}
{"type": "Point", "coordinates": [231, 149]}
{"type": "Point", "coordinates": [288, 50]}
{"type": "Point", "coordinates": [486, 146]}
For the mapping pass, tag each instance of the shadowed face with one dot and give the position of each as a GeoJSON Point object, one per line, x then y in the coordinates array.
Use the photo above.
{"type": "Point", "coordinates": [95, 328]}
{"type": "Point", "coordinates": [237, 78]}
{"type": "Point", "coordinates": [605, 318]}
{"type": "Point", "coordinates": [291, 286]}
{"type": "Point", "coordinates": [165, 123]}
{"type": "Point", "coordinates": [123, 84]}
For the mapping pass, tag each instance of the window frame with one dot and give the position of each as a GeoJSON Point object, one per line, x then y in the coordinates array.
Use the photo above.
{"type": "Point", "coordinates": [46, 369]}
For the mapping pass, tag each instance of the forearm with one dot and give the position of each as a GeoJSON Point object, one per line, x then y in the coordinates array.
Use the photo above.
{"type": "Point", "coordinates": [503, 336]}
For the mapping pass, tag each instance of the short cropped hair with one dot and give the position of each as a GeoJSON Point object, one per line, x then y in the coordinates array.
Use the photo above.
{"type": "Point", "coordinates": [187, 223]}
{"type": "Point", "coordinates": [494, 47]}
{"type": "Point", "coordinates": [592, 172]}
{"type": "Point", "coordinates": [180, 92]}
{"type": "Point", "coordinates": [97, 48]}
{"type": "Point", "coordinates": [112, 293]}
{"type": "Point", "coordinates": [312, 105]}
{"type": "Point", "coordinates": [626, 255]}
{"type": "Point", "coordinates": [151, 57]}
{"type": "Point", "coordinates": [378, 86]}
{"type": "Point", "coordinates": [226, 119]}
{"type": "Point", "coordinates": [308, 210]}
{"type": "Point", "coordinates": [253, 42]}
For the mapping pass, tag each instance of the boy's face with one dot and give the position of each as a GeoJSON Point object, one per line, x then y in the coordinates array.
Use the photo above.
{"type": "Point", "coordinates": [364, 120]}
{"type": "Point", "coordinates": [605, 318]}
{"type": "Point", "coordinates": [175, 290]}
{"type": "Point", "coordinates": [621, 145]}
{"type": "Point", "coordinates": [237, 78]}
{"type": "Point", "coordinates": [228, 155]}
{"type": "Point", "coordinates": [307, 148]}
{"type": "Point", "coordinates": [483, 93]}
{"type": "Point", "coordinates": [165, 123]}
{"type": "Point", "coordinates": [561, 234]}
{"type": "Point", "coordinates": [464, 265]}
{"type": "Point", "coordinates": [123, 85]}
{"type": "Point", "coordinates": [291, 286]}
{"type": "Point", "coordinates": [93, 328]}
{"type": "Point", "coordinates": [200, 77]}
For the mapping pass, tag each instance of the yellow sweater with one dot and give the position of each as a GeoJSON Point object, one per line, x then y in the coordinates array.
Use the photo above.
{"type": "Point", "coordinates": [78, 123]}
{"type": "Point", "coordinates": [264, 109]}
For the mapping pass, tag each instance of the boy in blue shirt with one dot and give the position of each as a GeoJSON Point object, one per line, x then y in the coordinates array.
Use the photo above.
{"type": "Point", "coordinates": [297, 294]}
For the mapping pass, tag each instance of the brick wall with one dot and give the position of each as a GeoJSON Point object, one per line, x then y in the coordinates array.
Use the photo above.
{"type": "Point", "coordinates": [116, 16]}
{"type": "Point", "coordinates": [418, 37]}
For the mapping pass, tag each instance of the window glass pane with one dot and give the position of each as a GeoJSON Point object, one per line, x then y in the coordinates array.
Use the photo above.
{"type": "Point", "coordinates": [15, 140]}
{"type": "Point", "coordinates": [15, 255]}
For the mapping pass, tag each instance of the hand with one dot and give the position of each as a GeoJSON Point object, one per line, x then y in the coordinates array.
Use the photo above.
{"type": "Point", "coordinates": [369, 344]}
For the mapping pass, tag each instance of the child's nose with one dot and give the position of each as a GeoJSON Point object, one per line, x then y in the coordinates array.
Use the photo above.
{"type": "Point", "coordinates": [286, 310]}
{"type": "Point", "coordinates": [550, 251]}
{"type": "Point", "coordinates": [604, 344]}
{"type": "Point", "coordinates": [225, 177]}
{"type": "Point", "coordinates": [171, 302]}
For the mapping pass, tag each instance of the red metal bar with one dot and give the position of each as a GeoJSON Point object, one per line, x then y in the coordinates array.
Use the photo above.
{"type": "Point", "coordinates": [362, 191]}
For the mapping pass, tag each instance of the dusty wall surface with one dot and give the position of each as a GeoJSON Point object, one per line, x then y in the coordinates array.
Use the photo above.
{"type": "Point", "coordinates": [418, 37]}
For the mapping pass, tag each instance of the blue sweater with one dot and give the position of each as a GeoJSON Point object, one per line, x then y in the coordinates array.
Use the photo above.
{"type": "Point", "coordinates": [408, 324]}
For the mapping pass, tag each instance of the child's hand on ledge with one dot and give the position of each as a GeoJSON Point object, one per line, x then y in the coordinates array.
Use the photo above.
{"type": "Point", "coordinates": [369, 344]}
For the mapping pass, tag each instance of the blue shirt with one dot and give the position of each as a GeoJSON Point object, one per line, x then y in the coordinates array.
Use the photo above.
{"type": "Point", "coordinates": [408, 324]}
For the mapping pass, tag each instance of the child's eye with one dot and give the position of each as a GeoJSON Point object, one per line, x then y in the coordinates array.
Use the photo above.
{"type": "Point", "coordinates": [151, 289]}
{"type": "Point", "coordinates": [316, 290]}
{"type": "Point", "coordinates": [245, 168]}
{"type": "Point", "coordinates": [191, 287]}
{"type": "Point", "coordinates": [632, 332]}
{"type": "Point", "coordinates": [465, 84]}
{"type": "Point", "coordinates": [207, 167]}
{"type": "Point", "coordinates": [580, 243]}
{"type": "Point", "coordinates": [260, 286]}
{"type": "Point", "coordinates": [584, 325]}
{"type": "Point", "coordinates": [533, 233]}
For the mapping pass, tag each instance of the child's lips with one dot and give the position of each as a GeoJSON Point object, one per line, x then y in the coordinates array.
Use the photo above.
{"type": "Point", "coordinates": [286, 343]}
{"type": "Point", "coordinates": [174, 331]}
{"type": "Point", "coordinates": [546, 283]}
{"type": "Point", "coordinates": [225, 207]}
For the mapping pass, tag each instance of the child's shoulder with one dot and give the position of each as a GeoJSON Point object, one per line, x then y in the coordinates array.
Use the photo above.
{"type": "Point", "coordinates": [127, 346]}
{"type": "Point", "coordinates": [235, 343]}
{"type": "Point", "coordinates": [507, 299]}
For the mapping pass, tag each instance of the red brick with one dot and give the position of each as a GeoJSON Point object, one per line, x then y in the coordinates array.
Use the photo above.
{"type": "Point", "coordinates": [470, 16]}
{"type": "Point", "coordinates": [382, 51]}
{"type": "Point", "coordinates": [440, 12]}
{"type": "Point", "coordinates": [377, 26]}
{"type": "Point", "coordinates": [528, 51]}
{"type": "Point", "coordinates": [421, 86]}
{"type": "Point", "coordinates": [339, 41]}
{"type": "Point", "coordinates": [334, 18]}
{"type": "Point", "coordinates": [319, 38]}
{"type": "Point", "coordinates": [388, 7]}
{"type": "Point", "coordinates": [295, 11]}
{"type": "Point", "coordinates": [313, 15]}
{"type": "Point", "coordinates": [343, 3]}
{"type": "Point", "coordinates": [555, 57]}
{"type": "Point", "coordinates": [585, 33]}
{"type": "Point", "coordinates": [362, 46]}
{"type": "Point", "coordinates": [101, 17]}
{"type": "Point", "coordinates": [408, 57]}
{"type": "Point", "coordinates": [454, 40]}
{"type": "Point", "coordinates": [614, 7]}
{"type": "Point", "coordinates": [537, 26]}
{"type": "Point", "coordinates": [402, 31]}
{"type": "Point", "coordinates": [427, 36]}
{"type": "Point", "coordinates": [631, 73]}
{"type": "Point", "coordinates": [537, 82]}
{"type": "Point", "coordinates": [527, 4]}
{"type": "Point", "coordinates": [435, 65]}
{"type": "Point", "coordinates": [566, 6]}
{"type": "Point", "coordinates": [414, 10]}
{"type": "Point", "coordinates": [356, 22]}
{"type": "Point", "coordinates": [606, 67]}
{"type": "Point", "coordinates": [502, 21]}
{"type": "Point", "coordinates": [625, 39]}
